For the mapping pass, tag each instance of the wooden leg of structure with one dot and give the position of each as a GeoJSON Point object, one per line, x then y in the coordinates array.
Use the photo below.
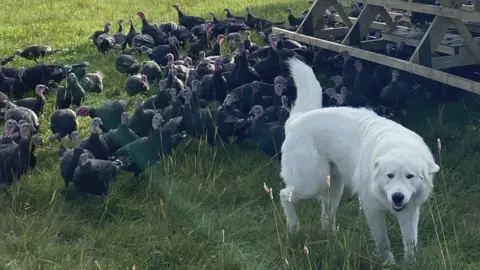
{"type": "Point", "coordinates": [341, 12]}
{"type": "Point", "coordinates": [467, 38]}
{"type": "Point", "coordinates": [410, 67]}
{"type": "Point", "coordinates": [314, 18]}
{"type": "Point", "coordinates": [314, 21]}
{"type": "Point", "coordinates": [430, 41]}
{"type": "Point", "coordinates": [363, 23]}
{"type": "Point", "coordinates": [435, 33]}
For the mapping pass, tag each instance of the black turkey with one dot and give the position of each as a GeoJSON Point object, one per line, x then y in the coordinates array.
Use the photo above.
{"type": "Point", "coordinates": [62, 123]}
{"type": "Point", "coordinates": [35, 104]}
{"type": "Point", "coordinates": [152, 70]}
{"type": "Point", "coordinates": [127, 64]}
{"type": "Point", "coordinates": [93, 176]}
{"type": "Point", "coordinates": [137, 84]}
{"type": "Point", "coordinates": [94, 143]}
{"type": "Point", "coordinates": [35, 52]}
{"type": "Point", "coordinates": [69, 159]}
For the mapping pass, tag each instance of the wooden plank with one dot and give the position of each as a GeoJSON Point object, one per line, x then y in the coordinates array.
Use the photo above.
{"type": "Point", "coordinates": [445, 11]}
{"type": "Point", "coordinates": [464, 7]}
{"type": "Point", "coordinates": [327, 32]}
{"type": "Point", "coordinates": [419, 70]}
{"type": "Point", "coordinates": [462, 29]}
{"type": "Point", "coordinates": [415, 42]}
{"type": "Point", "coordinates": [432, 38]}
{"type": "Point", "coordinates": [374, 45]}
{"type": "Point", "coordinates": [453, 61]}
{"type": "Point", "coordinates": [473, 27]}
{"type": "Point", "coordinates": [375, 25]}
{"type": "Point", "coordinates": [450, 49]}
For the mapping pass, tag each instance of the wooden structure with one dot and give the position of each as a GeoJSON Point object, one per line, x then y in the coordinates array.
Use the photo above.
{"type": "Point", "coordinates": [435, 48]}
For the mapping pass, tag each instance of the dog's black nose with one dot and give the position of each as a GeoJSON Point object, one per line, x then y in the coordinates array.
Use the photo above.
{"type": "Point", "coordinates": [397, 198]}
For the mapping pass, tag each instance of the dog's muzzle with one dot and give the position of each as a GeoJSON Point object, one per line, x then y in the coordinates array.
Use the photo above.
{"type": "Point", "coordinates": [398, 208]}
{"type": "Point", "coordinates": [398, 201]}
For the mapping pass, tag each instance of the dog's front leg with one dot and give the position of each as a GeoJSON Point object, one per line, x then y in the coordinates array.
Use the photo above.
{"type": "Point", "coordinates": [376, 222]}
{"type": "Point", "coordinates": [408, 221]}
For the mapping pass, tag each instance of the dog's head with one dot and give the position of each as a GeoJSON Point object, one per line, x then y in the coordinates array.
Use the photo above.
{"type": "Point", "coordinates": [402, 176]}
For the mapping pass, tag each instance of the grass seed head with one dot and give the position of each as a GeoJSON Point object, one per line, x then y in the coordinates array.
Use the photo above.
{"type": "Point", "coordinates": [305, 250]}
{"type": "Point", "coordinates": [265, 188]}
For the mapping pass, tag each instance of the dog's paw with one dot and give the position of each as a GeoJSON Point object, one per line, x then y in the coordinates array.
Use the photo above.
{"type": "Point", "coordinates": [409, 258]}
{"type": "Point", "coordinates": [328, 226]}
{"type": "Point", "coordinates": [387, 258]}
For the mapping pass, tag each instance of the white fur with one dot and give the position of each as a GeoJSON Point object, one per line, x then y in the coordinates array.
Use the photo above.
{"type": "Point", "coordinates": [358, 149]}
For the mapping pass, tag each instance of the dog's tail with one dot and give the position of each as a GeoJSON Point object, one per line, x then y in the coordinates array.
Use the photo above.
{"type": "Point", "coordinates": [309, 91]}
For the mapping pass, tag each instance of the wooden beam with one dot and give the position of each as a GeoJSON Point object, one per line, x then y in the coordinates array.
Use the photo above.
{"type": "Point", "coordinates": [374, 45]}
{"type": "Point", "coordinates": [393, 38]}
{"type": "Point", "coordinates": [473, 27]}
{"type": "Point", "coordinates": [419, 70]}
{"type": "Point", "coordinates": [462, 29]}
{"type": "Point", "coordinates": [444, 11]}
{"type": "Point", "coordinates": [375, 25]}
{"type": "Point", "coordinates": [414, 43]}
{"type": "Point", "coordinates": [451, 61]}
{"type": "Point", "coordinates": [327, 32]}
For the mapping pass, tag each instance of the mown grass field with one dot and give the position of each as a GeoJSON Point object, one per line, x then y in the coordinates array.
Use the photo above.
{"type": "Point", "coordinates": [204, 209]}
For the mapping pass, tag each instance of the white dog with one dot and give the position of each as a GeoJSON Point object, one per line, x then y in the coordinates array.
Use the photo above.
{"type": "Point", "coordinates": [388, 166]}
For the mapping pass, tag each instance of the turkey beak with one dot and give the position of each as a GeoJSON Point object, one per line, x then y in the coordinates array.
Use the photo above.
{"type": "Point", "coordinates": [251, 112]}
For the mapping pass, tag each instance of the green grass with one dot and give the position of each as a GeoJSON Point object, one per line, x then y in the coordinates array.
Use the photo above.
{"type": "Point", "coordinates": [175, 216]}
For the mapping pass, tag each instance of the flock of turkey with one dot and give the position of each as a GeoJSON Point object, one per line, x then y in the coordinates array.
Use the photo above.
{"type": "Point", "coordinates": [222, 64]}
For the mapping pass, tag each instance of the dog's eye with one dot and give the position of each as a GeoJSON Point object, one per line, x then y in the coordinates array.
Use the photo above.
{"type": "Point", "coordinates": [409, 176]}
{"type": "Point", "coordinates": [390, 175]}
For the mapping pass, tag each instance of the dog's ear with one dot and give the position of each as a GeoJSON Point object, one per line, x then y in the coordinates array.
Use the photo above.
{"type": "Point", "coordinates": [376, 164]}
{"type": "Point", "coordinates": [433, 168]}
